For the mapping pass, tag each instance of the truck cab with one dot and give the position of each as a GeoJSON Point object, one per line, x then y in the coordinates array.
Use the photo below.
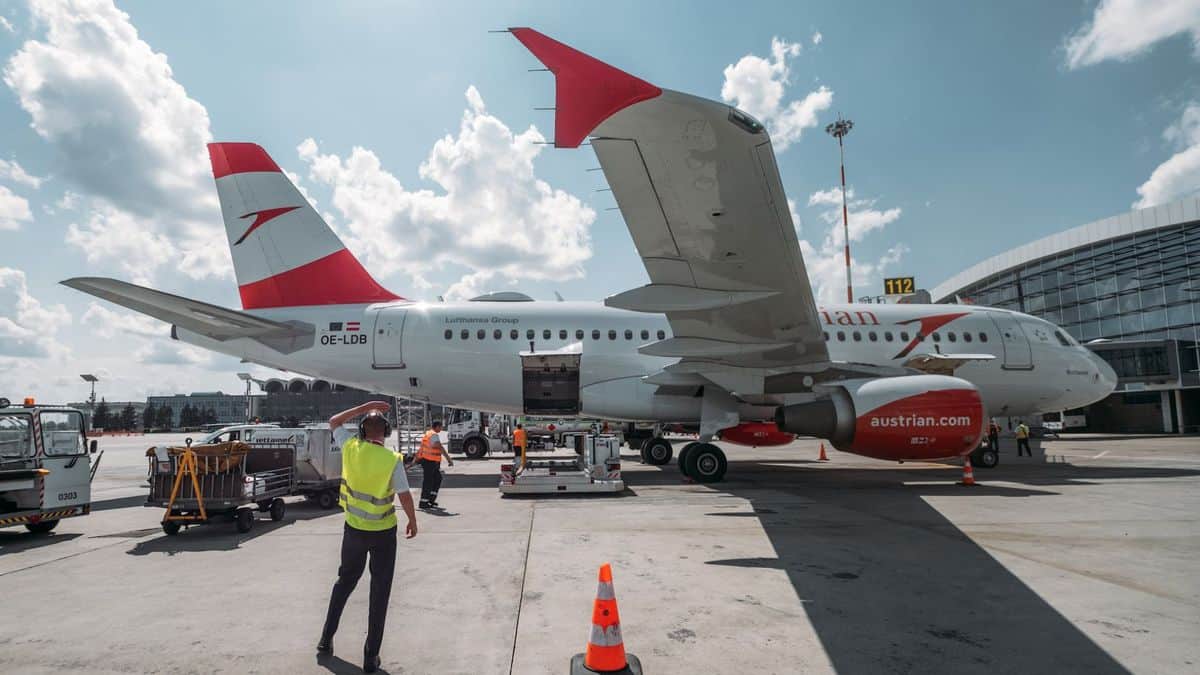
{"type": "Point", "coordinates": [475, 433]}
{"type": "Point", "coordinates": [45, 465]}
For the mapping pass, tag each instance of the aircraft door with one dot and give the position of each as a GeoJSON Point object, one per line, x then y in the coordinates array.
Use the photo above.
{"type": "Point", "coordinates": [1017, 353]}
{"type": "Point", "coordinates": [387, 338]}
{"type": "Point", "coordinates": [550, 383]}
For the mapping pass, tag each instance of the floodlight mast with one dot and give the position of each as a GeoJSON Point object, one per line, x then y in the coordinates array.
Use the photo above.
{"type": "Point", "coordinates": [838, 130]}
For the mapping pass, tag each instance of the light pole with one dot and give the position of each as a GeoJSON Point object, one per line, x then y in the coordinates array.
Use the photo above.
{"type": "Point", "coordinates": [838, 130]}
{"type": "Point", "coordinates": [88, 377]}
{"type": "Point", "coordinates": [248, 379]}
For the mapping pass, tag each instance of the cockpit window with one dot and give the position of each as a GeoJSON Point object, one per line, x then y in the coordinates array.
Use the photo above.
{"type": "Point", "coordinates": [745, 121]}
{"type": "Point", "coordinates": [1064, 339]}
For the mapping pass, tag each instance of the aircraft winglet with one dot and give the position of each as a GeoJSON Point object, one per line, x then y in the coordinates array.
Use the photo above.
{"type": "Point", "coordinates": [587, 92]}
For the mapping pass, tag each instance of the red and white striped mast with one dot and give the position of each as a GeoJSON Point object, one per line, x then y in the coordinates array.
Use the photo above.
{"type": "Point", "coordinates": [838, 130]}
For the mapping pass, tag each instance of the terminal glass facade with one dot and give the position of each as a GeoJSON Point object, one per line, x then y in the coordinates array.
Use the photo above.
{"type": "Point", "coordinates": [1138, 287]}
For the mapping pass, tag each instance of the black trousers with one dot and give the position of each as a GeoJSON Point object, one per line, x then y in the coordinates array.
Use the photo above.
{"type": "Point", "coordinates": [1023, 444]}
{"type": "Point", "coordinates": [432, 481]}
{"type": "Point", "coordinates": [356, 546]}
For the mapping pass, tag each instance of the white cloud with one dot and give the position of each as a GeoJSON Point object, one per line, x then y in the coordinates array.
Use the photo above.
{"type": "Point", "coordinates": [1124, 29]}
{"type": "Point", "coordinates": [6, 24]}
{"type": "Point", "coordinates": [12, 171]}
{"type": "Point", "coordinates": [491, 214]}
{"type": "Point", "coordinates": [27, 327]}
{"type": "Point", "coordinates": [825, 260]}
{"type": "Point", "coordinates": [14, 209]}
{"type": "Point", "coordinates": [817, 38]}
{"type": "Point", "coordinates": [124, 134]}
{"type": "Point", "coordinates": [757, 85]}
{"type": "Point", "coordinates": [167, 353]}
{"type": "Point", "coordinates": [1180, 174]}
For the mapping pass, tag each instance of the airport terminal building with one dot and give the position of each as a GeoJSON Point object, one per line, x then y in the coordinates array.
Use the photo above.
{"type": "Point", "coordinates": [1129, 288]}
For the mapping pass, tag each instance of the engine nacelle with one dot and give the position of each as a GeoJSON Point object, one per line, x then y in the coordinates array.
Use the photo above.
{"type": "Point", "coordinates": [757, 434]}
{"type": "Point", "coordinates": [914, 417]}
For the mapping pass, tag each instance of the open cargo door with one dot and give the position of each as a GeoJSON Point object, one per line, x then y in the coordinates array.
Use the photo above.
{"type": "Point", "coordinates": [550, 381]}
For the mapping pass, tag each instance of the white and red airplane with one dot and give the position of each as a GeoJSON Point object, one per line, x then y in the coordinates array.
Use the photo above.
{"type": "Point", "coordinates": [726, 337]}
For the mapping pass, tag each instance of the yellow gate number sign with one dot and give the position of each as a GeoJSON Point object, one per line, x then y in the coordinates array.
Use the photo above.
{"type": "Point", "coordinates": [899, 286]}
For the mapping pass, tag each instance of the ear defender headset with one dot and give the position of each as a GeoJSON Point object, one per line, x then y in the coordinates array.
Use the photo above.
{"type": "Point", "coordinates": [374, 415]}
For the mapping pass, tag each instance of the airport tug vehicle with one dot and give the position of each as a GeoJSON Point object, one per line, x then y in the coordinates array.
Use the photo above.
{"type": "Point", "coordinates": [595, 468]}
{"type": "Point", "coordinates": [45, 465]}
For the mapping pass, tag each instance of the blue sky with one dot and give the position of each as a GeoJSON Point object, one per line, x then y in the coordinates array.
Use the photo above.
{"type": "Point", "coordinates": [979, 126]}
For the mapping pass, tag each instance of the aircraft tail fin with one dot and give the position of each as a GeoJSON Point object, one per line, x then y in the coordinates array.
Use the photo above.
{"type": "Point", "coordinates": [284, 254]}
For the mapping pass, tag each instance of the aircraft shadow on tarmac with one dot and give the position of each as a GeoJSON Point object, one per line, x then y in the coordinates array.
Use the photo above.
{"type": "Point", "coordinates": [889, 584]}
{"type": "Point", "coordinates": [219, 534]}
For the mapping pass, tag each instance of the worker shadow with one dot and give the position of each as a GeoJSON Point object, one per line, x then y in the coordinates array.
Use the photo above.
{"type": "Point", "coordinates": [220, 535]}
{"type": "Point", "coordinates": [340, 666]}
{"type": "Point", "coordinates": [891, 584]}
{"type": "Point", "coordinates": [20, 539]}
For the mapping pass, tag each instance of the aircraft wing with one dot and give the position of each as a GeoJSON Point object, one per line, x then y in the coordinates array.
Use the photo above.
{"type": "Point", "coordinates": [697, 184]}
{"type": "Point", "coordinates": [213, 321]}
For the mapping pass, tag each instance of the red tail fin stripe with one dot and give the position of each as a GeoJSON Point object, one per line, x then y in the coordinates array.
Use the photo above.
{"type": "Point", "coordinates": [231, 158]}
{"type": "Point", "coordinates": [336, 279]}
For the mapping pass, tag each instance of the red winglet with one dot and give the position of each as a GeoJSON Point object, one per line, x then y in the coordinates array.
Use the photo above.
{"type": "Point", "coordinates": [588, 91]}
{"type": "Point", "coordinates": [230, 158]}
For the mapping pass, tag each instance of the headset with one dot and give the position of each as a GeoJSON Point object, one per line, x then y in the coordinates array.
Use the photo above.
{"type": "Point", "coordinates": [374, 414]}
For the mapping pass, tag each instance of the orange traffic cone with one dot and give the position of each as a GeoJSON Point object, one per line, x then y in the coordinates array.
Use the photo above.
{"type": "Point", "coordinates": [822, 458]}
{"type": "Point", "coordinates": [605, 648]}
{"type": "Point", "coordinates": [968, 474]}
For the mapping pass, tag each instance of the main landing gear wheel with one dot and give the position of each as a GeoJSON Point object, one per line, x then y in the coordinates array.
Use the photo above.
{"type": "Point", "coordinates": [683, 455]}
{"type": "Point", "coordinates": [41, 527]}
{"type": "Point", "coordinates": [474, 448]}
{"type": "Point", "coordinates": [985, 458]}
{"type": "Point", "coordinates": [705, 463]}
{"type": "Point", "coordinates": [658, 451]}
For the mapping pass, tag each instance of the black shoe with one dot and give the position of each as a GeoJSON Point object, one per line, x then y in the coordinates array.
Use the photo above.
{"type": "Point", "coordinates": [434, 505]}
{"type": "Point", "coordinates": [370, 663]}
{"type": "Point", "coordinates": [424, 505]}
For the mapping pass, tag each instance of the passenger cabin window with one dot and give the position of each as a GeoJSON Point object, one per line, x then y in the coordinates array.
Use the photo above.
{"type": "Point", "coordinates": [465, 334]}
{"type": "Point", "coordinates": [579, 334]}
{"type": "Point", "coordinates": [937, 337]}
{"type": "Point", "coordinates": [841, 336]}
{"type": "Point", "coordinates": [662, 335]}
{"type": "Point", "coordinates": [904, 336]}
{"type": "Point", "coordinates": [951, 336]}
{"type": "Point", "coordinates": [982, 337]}
{"type": "Point", "coordinates": [595, 334]}
{"type": "Point", "coordinates": [887, 336]}
{"type": "Point", "coordinates": [546, 334]}
{"type": "Point", "coordinates": [448, 334]}
{"type": "Point", "coordinates": [628, 334]}
{"type": "Point", "coordinates": [513, 334]}
{"type": "Point", "coordinates": [645, 334]}
{"type": "Point", "coordinates": [497, 334]}
{"type": "Point", "coordinates": [966, 337]}
{"type": "Point", "coordinates": [857, 336]}
{"type": "Point", "coordinates": [612, 335]}
{"type": "Point", "coordinates": [481, 333]}
{"type": "Point", "coordinates": [826, 334]}
{"type": "Point", "coordinates": [529, 334]}
{"type": "Point", "coordinates": [562, 334]}
{"type": "Point", "coordinates": [873, 337]}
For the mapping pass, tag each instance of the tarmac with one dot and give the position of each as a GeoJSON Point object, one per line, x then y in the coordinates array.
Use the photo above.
{"type": "Point", "coordinates": [1087, 563]}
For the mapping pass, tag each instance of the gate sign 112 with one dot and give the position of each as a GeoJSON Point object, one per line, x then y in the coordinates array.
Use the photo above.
{"type": "Point", "coordinates": [899, 286]}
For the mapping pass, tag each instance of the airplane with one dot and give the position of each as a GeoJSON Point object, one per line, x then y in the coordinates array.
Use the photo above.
{"type": "Point", "coordinates": [726, 338]}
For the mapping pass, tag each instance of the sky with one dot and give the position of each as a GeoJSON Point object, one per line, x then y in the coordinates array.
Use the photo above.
{"type": "Point", "coordinates": [978, 127]}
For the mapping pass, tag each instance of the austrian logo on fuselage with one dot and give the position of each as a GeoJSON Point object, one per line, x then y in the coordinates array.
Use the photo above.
{"type": "Point", "coordinates": [343, 333]}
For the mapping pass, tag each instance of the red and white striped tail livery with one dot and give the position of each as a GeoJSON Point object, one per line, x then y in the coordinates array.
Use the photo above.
{"type": "Point", "coordinates": [284, 255]}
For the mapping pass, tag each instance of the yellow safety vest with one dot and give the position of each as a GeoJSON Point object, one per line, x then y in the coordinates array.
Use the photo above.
{"type": "Point", "coordinates": [366, 493]}
{"type": "Point", "coordinates": [427, 450]}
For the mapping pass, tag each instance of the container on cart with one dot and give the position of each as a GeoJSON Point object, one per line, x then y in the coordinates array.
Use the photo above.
{"type": "Point", "coordinates": [234, 480]}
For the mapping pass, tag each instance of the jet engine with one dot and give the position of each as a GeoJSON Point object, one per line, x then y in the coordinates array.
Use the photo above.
{"type": "Point", "coordinates": [757, 434]}
{"type": "Point", "coordinates": [913, 417]}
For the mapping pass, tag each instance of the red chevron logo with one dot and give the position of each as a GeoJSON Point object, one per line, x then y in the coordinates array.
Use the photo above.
{"type": "Point", "coordinates": [928, 324]}
{"type": "Point", "coordinates": [261, 218]}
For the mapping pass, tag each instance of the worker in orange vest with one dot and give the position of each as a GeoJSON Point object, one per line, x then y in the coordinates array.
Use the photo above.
{"type": "Point", "coordinates": [430, 458]}
{"type": "Point", "coordinates": [519, 446]}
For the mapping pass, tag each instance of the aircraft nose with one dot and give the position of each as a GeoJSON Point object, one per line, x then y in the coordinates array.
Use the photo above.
{"type": "Point", "coordinates": [1106, 380]}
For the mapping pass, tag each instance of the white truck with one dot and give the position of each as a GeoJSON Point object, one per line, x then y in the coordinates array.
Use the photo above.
{"type": "Point", "coordinates": [476, 434]}
{"type": "Point", "coordinates": [45, 465]}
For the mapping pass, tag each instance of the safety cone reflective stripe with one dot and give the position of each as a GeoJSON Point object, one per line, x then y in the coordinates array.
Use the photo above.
{"type": "Point", "coordinates": [605, 649]}
{"type": "Point", "coordinates": [822, 458]}
{"type": "Point", "coordinates": [968, 474]}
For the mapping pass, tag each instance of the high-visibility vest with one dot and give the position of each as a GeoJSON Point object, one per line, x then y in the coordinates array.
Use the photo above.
{"type": "Point", "coordinates": [519, 438]}
{"type": "Point", "coordinates": [1022, 431]}
{"type": "Point", "coordinates": [427, 450]}
{"type": "Point", "coordinates": [366, 493]}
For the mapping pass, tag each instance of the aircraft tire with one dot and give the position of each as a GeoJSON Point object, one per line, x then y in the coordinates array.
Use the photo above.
{"type": "Point", "coordinates": [683, 454]}
{"type": "Point", "coordinates": [985, 458]}
{"type": "Point", "coordinates": [658, 451]}
{"type": "Point", "coordinates": [706, 463]}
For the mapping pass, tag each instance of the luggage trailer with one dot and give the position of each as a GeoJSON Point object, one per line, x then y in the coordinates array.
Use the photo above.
{"type": "Point", "coordinates": [45, 465]}
{"type": "Point", "coordinates": [596, 468]}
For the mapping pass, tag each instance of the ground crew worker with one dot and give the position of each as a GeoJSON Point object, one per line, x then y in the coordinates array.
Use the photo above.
{"type": "Point", "coordinates": [519, 447]}
{"type": "Point", "coordinates": [430, 458]}
{"type": "Point", "coordinates": [993, 435]}
{"type": "Point", "coordinates": [372, 477]}
{"type": "Point", "coordinates": [1023, 439]}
